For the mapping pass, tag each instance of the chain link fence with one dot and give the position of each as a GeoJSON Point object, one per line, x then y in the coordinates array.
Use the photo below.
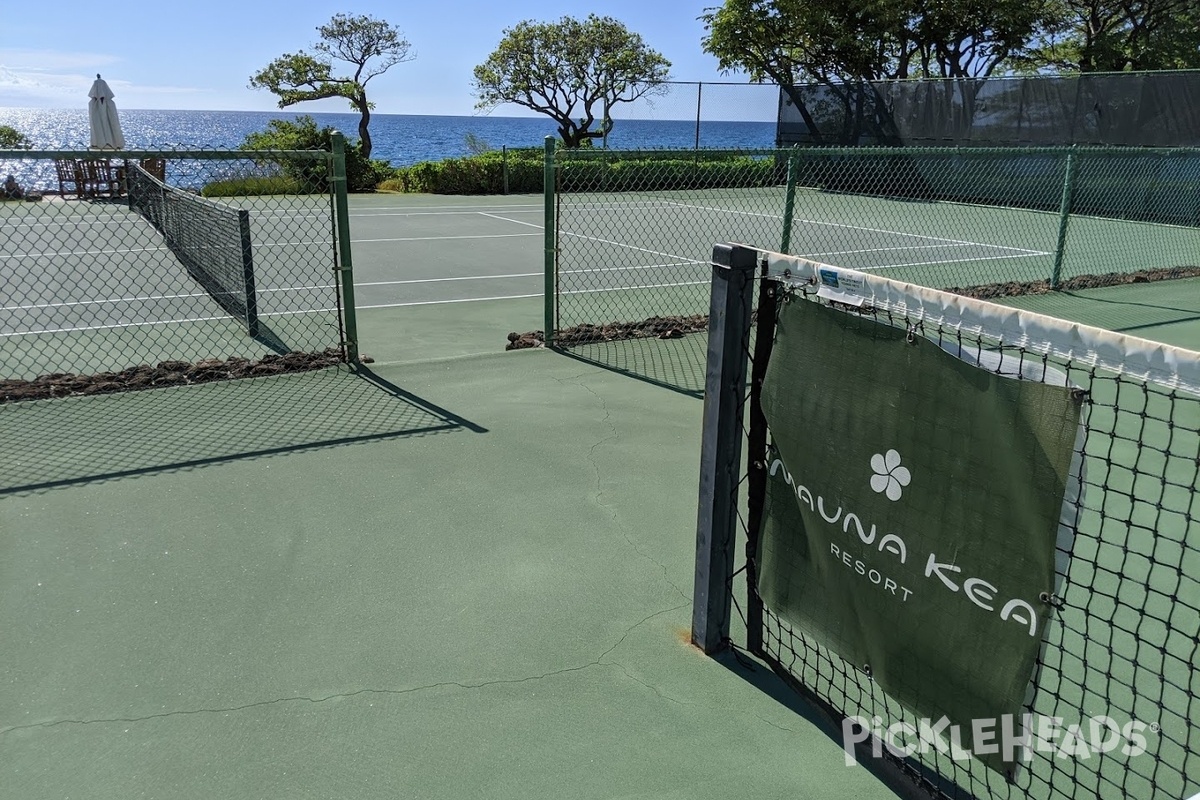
{"type": "Point", "coordinates": [698, 115]}
{"type": "Point", "coordinates": [129, 270]}
{"type": "Point", "coordinates": [628, 236]}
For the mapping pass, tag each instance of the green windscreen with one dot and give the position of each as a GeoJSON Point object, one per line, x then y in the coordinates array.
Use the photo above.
{"type": "Point", "coordinates": [913, 507]}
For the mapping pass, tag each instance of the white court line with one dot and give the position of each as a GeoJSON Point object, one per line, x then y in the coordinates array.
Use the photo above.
{"type": "Point", "coordinates": [640, 286]}
{"type": "Point", "coordinates": [893, 249]}
{"type": "Point", "coordinates": [152, 322]}
{"type": "Point", "coordinates": [451, 279]}
{"type": "Point", "coordinates": [459, 300]}
{"type": "Point", "coordinates": [858, 228]}
{"type": "Point", "coordinates": [357, 284]}
{"type": "Point", "coordinates": [152, 297]}
{"type": "Point", "coordinates": [444, 238]}
{"type": "Point", "coordinates": [689, 263]}
{"type": "Point", "coordinates": [86, 252]}
{"type": "Point", "coordinates": [107, 301]}
{"type": "Point", "coordinates": [330, 310]}
{"type": "Point", "coordinates": [629, 246]}
{"type": "Point", "coordinates": [69, 226]}
{"type": "Point", "coordinates": [949, 261]}
{"type": "Point", "coordinates": [598, 239]}
{"type": "Point", "coordinates": [459, 211]}
{"type": "Point", "coordinates": [513, 221]}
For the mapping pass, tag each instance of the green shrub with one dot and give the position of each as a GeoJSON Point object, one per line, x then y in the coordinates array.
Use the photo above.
{"type": "Point", "coordinates": [477, 174]}
{"type": "Point", "coordinates": [596, 171]}
{"type": "Point", "coordinates": [13, 139]}
{"type": "Point", "coordinates": [362, 174]}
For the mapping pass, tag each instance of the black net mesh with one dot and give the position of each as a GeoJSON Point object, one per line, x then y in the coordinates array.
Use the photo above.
{"type": "Point", "coordinates": [1122, 643]}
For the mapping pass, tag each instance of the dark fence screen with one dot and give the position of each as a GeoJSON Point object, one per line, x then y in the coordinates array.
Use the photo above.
{"type": "Point", "coordinates": [1160, 109]}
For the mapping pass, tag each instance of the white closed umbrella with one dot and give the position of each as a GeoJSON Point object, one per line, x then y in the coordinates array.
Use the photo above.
{"type": "Point", "coordinates": [102, 115]}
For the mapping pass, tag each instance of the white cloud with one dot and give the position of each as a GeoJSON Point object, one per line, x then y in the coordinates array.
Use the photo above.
{"type": "Point", "coordinates": [47, 77]}
{"type": "Point", "coordinates": [55, 79]}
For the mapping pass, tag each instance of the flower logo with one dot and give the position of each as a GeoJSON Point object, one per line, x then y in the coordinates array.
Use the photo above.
{"type": "Point", "coordinates": [889, 478]}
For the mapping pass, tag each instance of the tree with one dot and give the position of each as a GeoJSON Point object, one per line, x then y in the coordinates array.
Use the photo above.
{"type": "Point", "coordinates": [370, 45]}
{"type": "Point", "coordinates": [570, 70]}
{"type": "Point", "coordinates": [844, 43]}
{"type": "Point", "coordinates": [13, 139]}
{"type": "Point", "coordinates": [1118, 35]}
{"type": "Point", "coordinates": [362, 174]}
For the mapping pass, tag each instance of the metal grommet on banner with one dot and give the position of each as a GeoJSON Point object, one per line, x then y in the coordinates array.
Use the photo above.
{"type": "Point", "coordinates": [1051, 599]}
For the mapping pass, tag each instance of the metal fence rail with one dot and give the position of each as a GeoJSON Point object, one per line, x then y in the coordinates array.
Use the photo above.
{"type": "Point", "coordinates": [104, 290]}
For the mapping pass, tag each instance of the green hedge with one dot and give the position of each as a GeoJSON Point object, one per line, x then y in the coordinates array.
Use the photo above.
{"type": "Point", "coordinates": [591, 171]}
{"type": "Point", "coordinates": [480, 174]}
{"type": "Point", "coordinates": [659, 173]}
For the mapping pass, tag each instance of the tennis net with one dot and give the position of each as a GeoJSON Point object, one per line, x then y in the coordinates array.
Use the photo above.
{"type": "Point", "coordinates": [972, 532]}
{"type": "Point", "coordinates": [211, 240]}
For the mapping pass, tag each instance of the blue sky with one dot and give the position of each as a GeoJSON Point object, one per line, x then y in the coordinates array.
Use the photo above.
{"type": "Point", "coordinates": [200, 55]}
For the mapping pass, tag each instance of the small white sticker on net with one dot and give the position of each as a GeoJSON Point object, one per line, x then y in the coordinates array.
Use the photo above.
{"type": "Point", "coordinates": [1081, 345]}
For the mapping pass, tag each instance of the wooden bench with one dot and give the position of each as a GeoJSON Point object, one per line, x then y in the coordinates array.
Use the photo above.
{"type": "Point", "coordinates": [69, 175]}
{"type": "Point", "coordinates": [88, 177]}
{"type": "Point", "coordinates": [99, 178]}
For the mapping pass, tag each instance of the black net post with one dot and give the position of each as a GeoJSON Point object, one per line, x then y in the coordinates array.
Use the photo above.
{"type": "Point", "coordinates": [345, 257]}
{"type": "Point", "coordinates": [756, 441]}
{"type": "Point", "coordinates": [721, 446]}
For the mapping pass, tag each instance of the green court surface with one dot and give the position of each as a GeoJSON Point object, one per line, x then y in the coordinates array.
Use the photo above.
{"type": "Point", "coordinates": [1166, 311]}
{"type": "Point", "coordinates": [638, 236]}
{"type": "Point", "coordinates": [462, 573]}
{"type": "Point", "coordinates": [478, 587]}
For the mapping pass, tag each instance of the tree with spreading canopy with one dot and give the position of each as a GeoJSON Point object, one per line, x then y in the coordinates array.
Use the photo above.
{"type": "Point", "coordinates": [1118, 35]}
{"type": "Point", "coordinates": [571, 70]}
{"type": "Point", "coordinates": [371, 46]}
{"type": "Point", "coordinates": [843, 43]}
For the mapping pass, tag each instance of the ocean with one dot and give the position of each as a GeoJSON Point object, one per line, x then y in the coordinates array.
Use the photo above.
{"type": "Point", "coordinates": [400, 139]}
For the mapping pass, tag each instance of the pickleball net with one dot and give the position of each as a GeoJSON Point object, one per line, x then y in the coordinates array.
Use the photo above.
{"type": "Point", "coordinates": [210, 239]}
{"type": "Point", "coordinates": [1122, 607]}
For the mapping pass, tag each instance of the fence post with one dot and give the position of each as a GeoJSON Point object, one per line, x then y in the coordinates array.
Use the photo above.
{"type": "Point", "coordinates": [504, 162]}
{"type": "Point", "coordinates": [550, 254]}
{"type": "Point", "coordinates": [721, 442]}
{"type": "Point", "coordinates": [789, 203]}
{"type": "Point", "coordinates": [1064, 214]}
{"type": "Point", "coordinates": [345, 260]}
{"type": "Point", "coordinates": [699, 91]}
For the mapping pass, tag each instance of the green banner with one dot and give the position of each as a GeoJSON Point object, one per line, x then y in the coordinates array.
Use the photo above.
{"type": "Point", "coordinates": [913, 506]}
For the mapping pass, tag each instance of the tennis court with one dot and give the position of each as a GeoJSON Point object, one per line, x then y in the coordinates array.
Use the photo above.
{"type": "Point", "coordinates": [92, 286]}
{"type": "Point", "coordinates": [467, 573]}
{"type": "Point", "coordinates": [940, 244]}
{"type": "Point", "coordinates": [622, 257]}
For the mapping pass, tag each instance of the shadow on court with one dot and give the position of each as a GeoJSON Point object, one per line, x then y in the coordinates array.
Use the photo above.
{"type": "Point", "coordinates": [77, 440]}
{"type": "Point", "coordinates": [789, 693]}
{"type": "Point", "coordinates": [677, 364]}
